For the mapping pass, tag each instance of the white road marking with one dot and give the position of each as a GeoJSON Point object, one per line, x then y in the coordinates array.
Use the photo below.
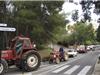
{"type": "Point", "coordinates": [46, 68]}
{"type": "Point", "coordinates": [60, 69]}
{"type": "Point", "coordinates": [84, 70]}
{"type": "Point", "coordinates": [72, 70]}
{"type": "Point", "coordinates": [22, 74]}
{"type": "Point", "coordinates": [27, 73]}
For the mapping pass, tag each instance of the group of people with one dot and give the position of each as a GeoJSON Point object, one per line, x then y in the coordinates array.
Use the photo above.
{"type": "Point", "coordinates": [61, 51]}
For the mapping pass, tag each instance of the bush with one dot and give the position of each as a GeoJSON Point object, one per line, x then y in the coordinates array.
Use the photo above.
{"type": "Point", "coordinates": [45, 54]}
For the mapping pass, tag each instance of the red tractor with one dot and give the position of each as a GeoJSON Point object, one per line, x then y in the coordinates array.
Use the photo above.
{"type": "Point", "coordinates": [20, 53]}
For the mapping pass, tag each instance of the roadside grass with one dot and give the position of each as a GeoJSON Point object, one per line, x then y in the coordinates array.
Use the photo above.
{"type": "Point", "coordinates": [45, 54]}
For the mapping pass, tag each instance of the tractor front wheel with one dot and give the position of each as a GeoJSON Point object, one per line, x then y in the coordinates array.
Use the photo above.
{"type": "Point", "coordinates": [3, 66]}
{"type": "Point", "coordinates": [50, 61]}
{"type": "Point", "coordinates": [31, 61]}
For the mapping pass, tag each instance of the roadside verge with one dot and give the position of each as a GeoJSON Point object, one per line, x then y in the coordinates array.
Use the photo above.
{"type": "Point", "coordinates": [97, 68]}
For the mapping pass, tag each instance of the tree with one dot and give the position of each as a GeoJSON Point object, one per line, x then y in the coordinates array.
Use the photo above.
{"type": "Point", "coordinates": [86, 6]}
{"type": "Point", "coordinates": [38, 19]}
{"type": "Point", "coordinates": [2, 20]}
{"type": "Point", "coordinates": [75, 15]}
{"type": "Point", "coordinates": [98, 34]}
{"type": "Point", "coordinates": [2, 11]}
{"type": "Point", "coordinates": [81, 33]}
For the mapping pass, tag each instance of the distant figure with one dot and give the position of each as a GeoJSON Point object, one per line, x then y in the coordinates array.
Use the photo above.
{"type": "Point", "coordinates": [61, 50]}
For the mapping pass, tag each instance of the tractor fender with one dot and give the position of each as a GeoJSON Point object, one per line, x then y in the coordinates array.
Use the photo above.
{"type": "Point", "coordinates": [27, 52]}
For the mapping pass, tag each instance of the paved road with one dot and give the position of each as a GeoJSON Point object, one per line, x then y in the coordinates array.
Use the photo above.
{"type": "Point", "coordinates": [83, 64]}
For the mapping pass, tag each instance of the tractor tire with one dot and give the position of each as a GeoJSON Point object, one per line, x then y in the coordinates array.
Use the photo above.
{"type": "Point", "coordinates": [50, 61]}
{"type": "Point", "coordinates": [3, 66]}
{"type": "Point", "coordinates": [31, 60]}
{"type": "Point", "coordinates": [57, 60]}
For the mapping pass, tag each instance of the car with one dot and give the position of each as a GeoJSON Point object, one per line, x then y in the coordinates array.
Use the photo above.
{"type": "Point", "coordinates": [82, 49]}
{"type": "Point", "coordinates": [91, 47]}
{"type": "Point", "coordinates": [97, 47]}
{"type": "Point", "coordinates": [88, 48]}
{"type": "Point", "coordinates": [72, 52]}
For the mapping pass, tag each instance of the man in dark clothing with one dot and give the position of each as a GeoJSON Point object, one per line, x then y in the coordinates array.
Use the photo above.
{"type": "Point", "coordinates": [61, 50]}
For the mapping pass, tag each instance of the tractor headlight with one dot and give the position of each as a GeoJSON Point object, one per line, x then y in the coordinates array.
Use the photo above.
{"type": "Point", "coordinates": [54, 56]}
{"type": "Point", "coordinates": [34, 45]}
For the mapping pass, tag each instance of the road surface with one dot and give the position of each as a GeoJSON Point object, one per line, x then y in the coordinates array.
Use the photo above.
{"type": "Point", "coordinates": [82, 64]}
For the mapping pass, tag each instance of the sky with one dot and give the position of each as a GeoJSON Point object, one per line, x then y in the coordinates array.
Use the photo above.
{"type": "Point", "coordinates": [70, 7]}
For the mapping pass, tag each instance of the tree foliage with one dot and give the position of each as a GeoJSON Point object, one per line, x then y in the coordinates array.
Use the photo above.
{"type": "Point", "coordinates": [2, 20]}
{"type": "Point", "coordinates": [86, 6]}
{"type": "Point", "coordinates": [80, 33]}
{"type": "Point", "coordinates": [75, 15]}
{"type": "Point", "coordinates": [98, 34]}
{"type": "Point", "coordinates": [39, 20]}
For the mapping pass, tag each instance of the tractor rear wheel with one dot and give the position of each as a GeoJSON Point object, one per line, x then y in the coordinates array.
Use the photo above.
{"type": "Point", "coordinates": [3, 66]}
{"type": "Point", "coordinates": [50, 61]}
{"type": "Point", "coordinates": [31, 61]}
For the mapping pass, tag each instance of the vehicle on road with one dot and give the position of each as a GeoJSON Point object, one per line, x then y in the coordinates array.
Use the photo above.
{"type": "Point", "coordinates": [72, 52]}
{"type": "Point", "coordinates": [88, 48]}
{"type": "Point", "coordinates": [20, 53]}
{"type": "Point", "coordinates": [81, 49]}
{"type": "Point", "coordinates": [56, 57]}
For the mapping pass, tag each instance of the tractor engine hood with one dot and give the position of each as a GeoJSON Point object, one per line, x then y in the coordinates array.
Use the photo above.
{"type": "Point", "coordinates": [7, 54]}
